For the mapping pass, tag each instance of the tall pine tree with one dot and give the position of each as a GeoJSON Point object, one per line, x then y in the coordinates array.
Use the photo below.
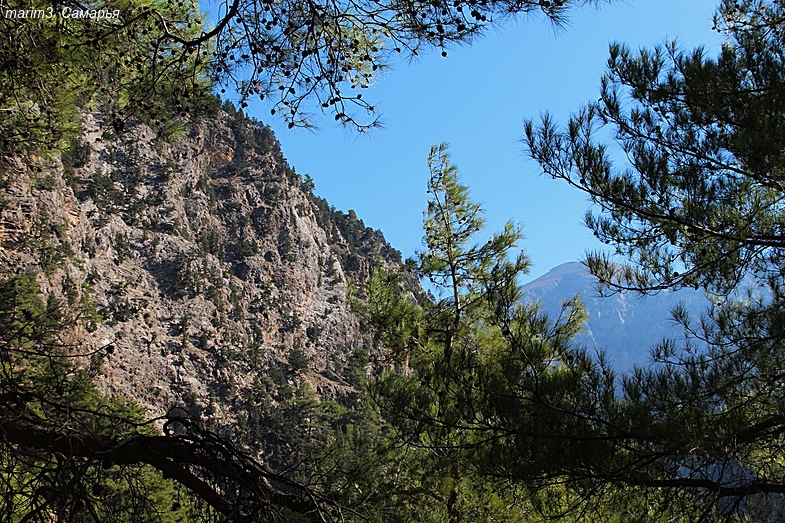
{"type": "Point", "coordinates": [700, 205]}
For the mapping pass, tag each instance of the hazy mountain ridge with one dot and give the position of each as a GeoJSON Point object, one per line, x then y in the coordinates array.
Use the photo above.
{"type": "Point", "coordinates": [625, 325]}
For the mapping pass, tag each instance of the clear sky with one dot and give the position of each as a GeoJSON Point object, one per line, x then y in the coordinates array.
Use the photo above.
{"type": "Point", "coordinates": [476, 100]}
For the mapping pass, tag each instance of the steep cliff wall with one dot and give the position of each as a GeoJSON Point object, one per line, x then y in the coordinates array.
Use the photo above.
{"type": "Point", "coordinates": [207, 257]}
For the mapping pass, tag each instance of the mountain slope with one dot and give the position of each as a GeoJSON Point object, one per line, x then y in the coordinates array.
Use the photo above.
{"type": "Point", "coordinates": [208, 258]}
{"type": "Point", "coordinates": [625, 325]}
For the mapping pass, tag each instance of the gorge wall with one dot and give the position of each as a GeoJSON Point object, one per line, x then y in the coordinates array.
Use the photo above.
{"type": "Point", "coordinates": [209, 260]}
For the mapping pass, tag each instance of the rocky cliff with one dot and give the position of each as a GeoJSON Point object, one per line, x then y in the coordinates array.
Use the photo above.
{"type": "Point", "coordinates": [207, 258]}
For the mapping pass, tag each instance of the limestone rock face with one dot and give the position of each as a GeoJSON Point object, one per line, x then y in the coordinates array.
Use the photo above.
{"type": "Point", "coordinates": [207, 257]}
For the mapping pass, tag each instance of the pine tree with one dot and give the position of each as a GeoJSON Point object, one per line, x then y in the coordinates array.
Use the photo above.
{"type": "Point", "coordinates": [700, 205]}
{"type": "Point", "coordinates": [491, 386]}
{"type": "Point", "coordinates": [158, 60]}
{"type": "Point", "coordinates": [124, 65]}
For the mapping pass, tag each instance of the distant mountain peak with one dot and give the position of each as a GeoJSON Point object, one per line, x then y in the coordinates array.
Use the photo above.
{"type": "Point", "coordinates": [625, 325]}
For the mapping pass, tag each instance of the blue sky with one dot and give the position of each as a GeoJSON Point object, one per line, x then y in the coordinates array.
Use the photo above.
{"type": "Point", "coordinates": [476, 100]}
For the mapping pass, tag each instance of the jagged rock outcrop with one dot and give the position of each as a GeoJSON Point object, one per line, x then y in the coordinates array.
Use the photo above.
{"type": "Point", "coordinates": [207, 257]}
